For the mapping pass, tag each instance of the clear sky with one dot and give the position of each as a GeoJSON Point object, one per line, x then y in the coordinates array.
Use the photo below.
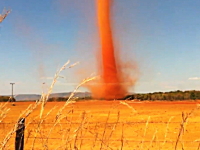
{"type": "Point", "coordinates": [160, 37]}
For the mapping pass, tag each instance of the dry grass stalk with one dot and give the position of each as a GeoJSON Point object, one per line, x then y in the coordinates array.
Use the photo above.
{"type": "Point", "coordinates": [83, 133]}
{"type": "Point", "coordinates": [112, 130]}
{"type": "Point", "coordinates": [36, 132]}
{"type": "Point", "coordinates": [182, 127]}
{"type": "Point", "coordinates": [198, 148]}
{"type": "Point", "coordinates": [96, 135]}
{"type": "Point", "coordinates": [145, 131]}
{"type": "Point", "coordinates": [66, 134]}
{"type": "Point", "coordinates": [56, 76]}
{"type": "Point", "coordinates": [114, 126]}
{"type": "Point", "coordinates": [50, 131]}
{"type": "Point", "coordinates": [44, 99]}
{"type": "Point", "coordinates": [38, 128]}
{"type": "Point", "coordinates": [197, 140]}
{"type": "Point", "coordinates": [69, 121]}
{"type": "Point", "coordinates": [57, 122]}
{"type": "Point", "coordinates": [153, 139]}
{"type": "Point", "coordinates": [69, 129]}
{"type": "Point", "coordinates": [166, 131]}
{"type": "Point", "coordinates": [122, 137]}
{"type": "Point", "coordinates": [71, 95]}
{"type": "Point", "coordinates": [97, 138]}
{"type": "Point", "coordinates": [79, 130]}
{"type": "Point", "coordinates": [126, 104]}
{"type": "Point", "coordinates": [2, 105]}
{"type": "Point", "coordinates": [77, 134]}
{"type": "Point", "coordinates": [104, 131]}
{"type": "Point", "coordinates": [3, 111]}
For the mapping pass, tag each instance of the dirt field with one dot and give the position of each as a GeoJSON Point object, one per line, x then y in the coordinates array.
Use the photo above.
{"type": "Point", "coordinates": [108, 125]}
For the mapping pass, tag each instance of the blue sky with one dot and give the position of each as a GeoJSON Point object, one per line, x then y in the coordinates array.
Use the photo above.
{"type": "Point", "coordinates": [160, 37]}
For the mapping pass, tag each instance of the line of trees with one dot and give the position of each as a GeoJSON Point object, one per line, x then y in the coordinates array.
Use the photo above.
{"type": "Point", "coordinates": [6, 99]}
{"type": "Point", "coordinates": [53, 99]}
{"type": "Point", "coordinates": [172, 95]}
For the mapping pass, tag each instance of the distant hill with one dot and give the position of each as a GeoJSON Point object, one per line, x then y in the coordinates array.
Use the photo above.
{"type": "Point", "coordinates": [27, 97]}
{"type": "Point", "coordinates": [77, 94]}
{"type": "Point", "coordinates": [33, 97]}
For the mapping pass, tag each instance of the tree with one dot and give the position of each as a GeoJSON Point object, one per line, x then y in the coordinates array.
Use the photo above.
{"type": "Point", "coordinates": [4, 98]}
{"type": "Point", "coordinates": [192, 95]}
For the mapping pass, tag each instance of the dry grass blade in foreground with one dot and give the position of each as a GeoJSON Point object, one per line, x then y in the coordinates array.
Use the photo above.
{"type": "Point", "coordinates": [72, 94]}
{"type": "Point", "coordinates": [182, 127]}
{"type": "Point", "coordinates": [45, 97]}
{"type": "Point", "coordinates": [43, 100]}
{"type": "Point", "coordinates": [3, 111]}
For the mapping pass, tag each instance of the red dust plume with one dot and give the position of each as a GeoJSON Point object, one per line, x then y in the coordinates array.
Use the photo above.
{"type": "Point", "coordinates": [111, 85]}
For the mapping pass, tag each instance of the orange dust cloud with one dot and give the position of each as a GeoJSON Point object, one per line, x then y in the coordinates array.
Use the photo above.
{"type": "Point", "coordinates": [113, 83]}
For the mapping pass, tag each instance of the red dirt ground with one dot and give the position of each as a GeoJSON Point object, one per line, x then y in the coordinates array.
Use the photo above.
{"type": "Point", "coordinates": [109, 125]}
